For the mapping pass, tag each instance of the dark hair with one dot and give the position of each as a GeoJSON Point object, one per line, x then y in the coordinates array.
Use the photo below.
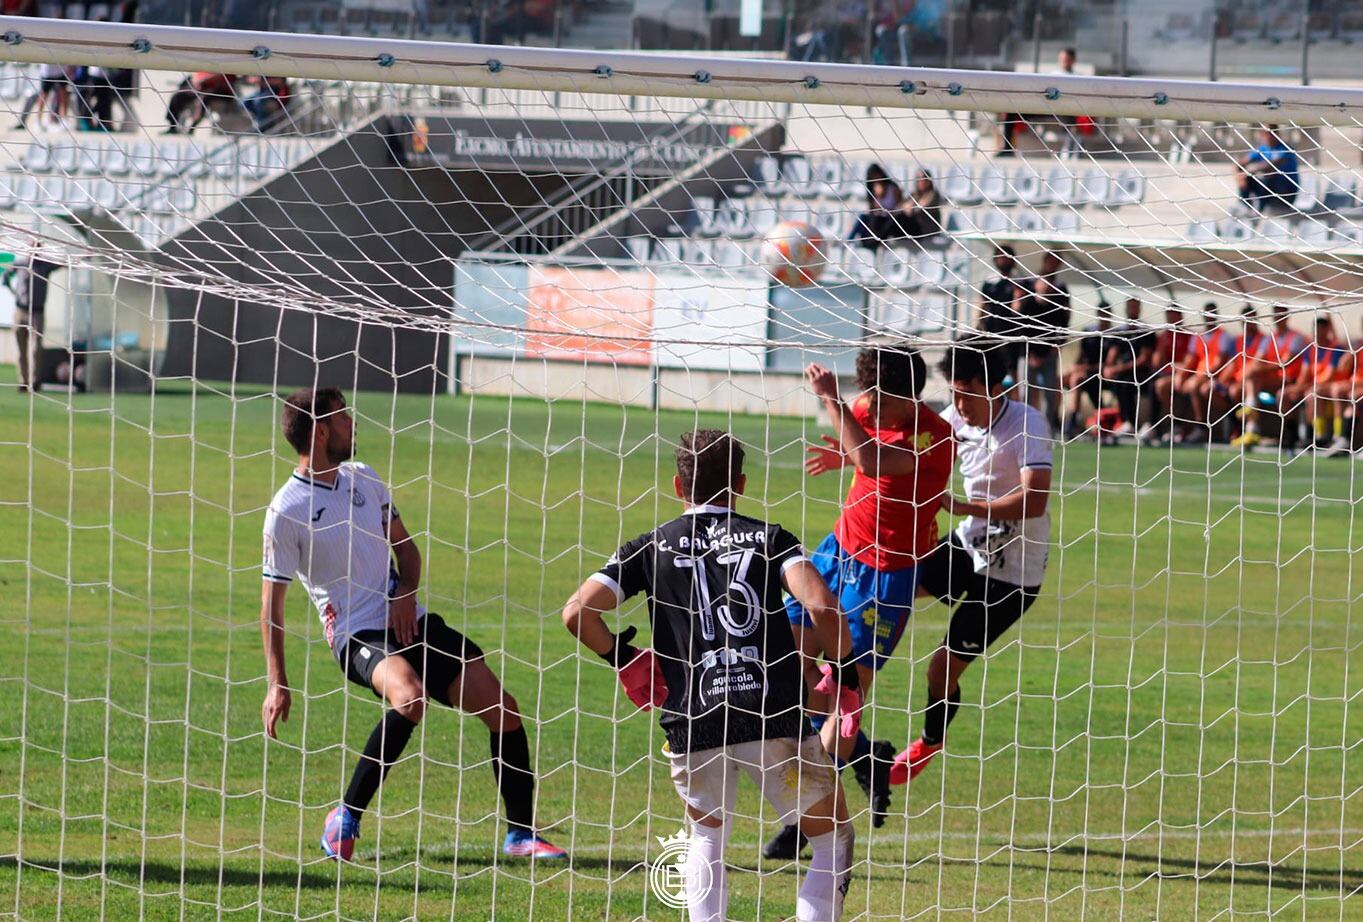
{"type": "Point", "coordinates": [1004, 249]}
{"type": "Point", "coordinates": [976, 360]}
{"type": "Point", "coordinates": [895, 370]}
{"type": "Point", "coordinates": [709, 463]}
{"type": "Point", "coordinates": [1069, 50]}
{"type": "Point", "coordinates": [1209, 306]}
{"type": "Point", "coordinates": [304, 407]}
{"type": "Point", "coordinates": [875, 172]}
{"type": "Point", "coordinates": [1247, 310]}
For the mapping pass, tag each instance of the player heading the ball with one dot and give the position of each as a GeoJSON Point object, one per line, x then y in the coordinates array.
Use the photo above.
{"type": "Point", "coordinates": [725, 673]}
{"type": "Point", "coordinates": [334, 527]}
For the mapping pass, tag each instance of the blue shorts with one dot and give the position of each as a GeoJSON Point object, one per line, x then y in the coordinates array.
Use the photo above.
{"type": "Point", "coordinates": [877, 603]}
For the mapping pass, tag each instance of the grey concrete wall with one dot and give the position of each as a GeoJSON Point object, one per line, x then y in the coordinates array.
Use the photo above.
{"type": "Point", "coordinates": [351, 226]}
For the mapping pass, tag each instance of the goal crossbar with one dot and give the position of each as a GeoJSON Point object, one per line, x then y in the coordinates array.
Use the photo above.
{"type": "Point", "coordinates": [399, 61]}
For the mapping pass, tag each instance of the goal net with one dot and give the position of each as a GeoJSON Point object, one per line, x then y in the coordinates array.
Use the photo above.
{"type": "Point", "coordinates": [530, 271]}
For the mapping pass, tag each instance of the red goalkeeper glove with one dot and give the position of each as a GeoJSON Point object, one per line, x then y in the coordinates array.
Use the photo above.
{"type": "Point", "coordinates": [640, 673]}
{"type": "Point", "coordinates": [843, 683]}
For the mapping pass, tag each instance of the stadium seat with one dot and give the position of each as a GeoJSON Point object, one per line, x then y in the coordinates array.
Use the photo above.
{"type": "Point", "coordinates": [66, 159]}
{"type": "Point", "coordinates": [38, 158]}
{"type": "Point", "coordinates": [1339, 191]}
{"type": "Point", "coordinates": [194, 161]}
{"type": "Point", "coordinates": [142, 158]}
{"type": "Point", "coordinates": [183, 199]}
{"type": "Point", "coordinates": [697, 252]}
{"type": "Point", "coordinates": [1346, 233]}
{"type": "Point", "coordinates": [223, 162]}
{"type": "Point", "coordinates": [962, 221]}
{"type": "Point", "coordinates": [767, 176]}
{"type": "Point", "coordinates": [1094, 187]}
{"type": "Point", "coordinates": [798, 176]}
{"type": "Point", "coordinates": [252, 159]}
{"type": "Point", "coordinates": [90, 159]}
{"type": "Point", "coordinates": [761, 216]}
{"type": "Point", "coordinates": [854, 180]}
{"type": "Point", "coordinates": [860, 265]}
{"type": "Point", "coordinates": [13, 82]}
{"type": "Point", "coordinates": [958, 186]}
{"type": "Point", "coordinates": [896, 267]}
{"type": "Point", "coordinates": [827, 178]}
{"type": "Point", "coordinates": [1308, 200]}
{"type": "Point", "coordinates": [728, 254]}
{"type": "Point", "coordinates": [1236, 229]}
{"type": "Point", "coordinates": [932, 271]}
{"type": "Point", "coordinates": [1128, 188]}
{"type": "Point", "coordinates": [1032, 187]}
{"type": "Point", "coordinates": [8, 190]}
{"type": "Point", "coordinates": [105, 194]}
{"type": "Point", "coordinates": [995, 186]}
{"type": "Point", "coordinates": [703, 207]}
{"type": "Point", "coordinates": [1029, 221]}
{"type": "Point", "coordinates": [1314, 232]}
{"type": "Point", "coordinates": [832, 220]}
{"type": "Point", "coordinates": [1276, 230]}
{"type": "Point", "coordinates": [116, 161]}
{"type": "Point", "coordinates": [667, 250]}
{"type": "Point", "coordinates": [1064, 221]}
{"type": "Point", "coordinates": [993, 221]}
{"type": "Point", "coordinates": [795, 210]}
{"type": "Point", "coordinates": [1202, 232]}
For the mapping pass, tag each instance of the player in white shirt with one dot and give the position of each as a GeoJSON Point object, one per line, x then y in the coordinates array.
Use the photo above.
{"type": "Point", "coordinates": [334, 527]}
{"type": "Point", "coordinates": [991, 567]}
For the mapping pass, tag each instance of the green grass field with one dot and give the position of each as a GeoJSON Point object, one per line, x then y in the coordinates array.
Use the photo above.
{"type": "Point", "coordinates": [1173, 733]}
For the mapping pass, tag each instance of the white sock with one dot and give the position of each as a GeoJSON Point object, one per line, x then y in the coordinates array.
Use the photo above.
{"type": "Point", "coordinates": [707, 885]}
{"type": "Point", "coordinates": [829, 874]}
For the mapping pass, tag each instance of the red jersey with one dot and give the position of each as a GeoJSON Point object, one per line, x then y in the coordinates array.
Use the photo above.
{"type": "Point", "coordinates": [890, 522]}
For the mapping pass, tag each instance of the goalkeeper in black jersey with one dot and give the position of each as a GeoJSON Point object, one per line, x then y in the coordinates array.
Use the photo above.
{"type": "Point", "coordinates": [725, 674]}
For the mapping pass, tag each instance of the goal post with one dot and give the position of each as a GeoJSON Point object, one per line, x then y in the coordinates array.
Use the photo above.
{"type": "Point", "coordinates": [529, 271]}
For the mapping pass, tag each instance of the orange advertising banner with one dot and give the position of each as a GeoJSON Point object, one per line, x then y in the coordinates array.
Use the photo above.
{"type": "Point", "coordinates": [593, 315]}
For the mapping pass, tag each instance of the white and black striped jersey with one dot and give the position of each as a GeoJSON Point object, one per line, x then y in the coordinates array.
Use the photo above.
{"type": "Point", "coordinates": [715, 600]}
{"type": "Point", "coordinates": [334, 538]}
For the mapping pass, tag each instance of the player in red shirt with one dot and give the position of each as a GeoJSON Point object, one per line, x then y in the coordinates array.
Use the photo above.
{"type": "Point", "coordinates": [902, 454]}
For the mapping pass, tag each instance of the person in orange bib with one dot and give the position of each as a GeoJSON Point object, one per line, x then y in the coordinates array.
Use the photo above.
{"type": "Point", "coordinates": [1274, 362]}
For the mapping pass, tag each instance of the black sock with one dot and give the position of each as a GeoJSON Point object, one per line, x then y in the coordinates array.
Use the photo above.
{"type": "Point", "coordinates": [385, 746]}
{"type": "Point", "coordinates": [938, 717]}
{"type": "Point", "coordinates": [511, 768]}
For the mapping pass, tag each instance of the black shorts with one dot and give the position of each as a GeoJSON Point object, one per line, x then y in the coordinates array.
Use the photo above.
{"type": "Point", "coordinates": [438, 655]}
{"type": "Point", "coordinates": [985, 607]}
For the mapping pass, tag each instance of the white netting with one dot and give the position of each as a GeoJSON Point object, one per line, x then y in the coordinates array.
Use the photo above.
{"type": "Point", "coordinates": [527, 294]}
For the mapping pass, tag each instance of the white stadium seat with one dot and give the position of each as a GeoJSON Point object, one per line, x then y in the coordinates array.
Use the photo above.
{"type": "Point", "coordinates": [1236, 229]}
{"type": "Point", "coordinates": [1095, 187]}
{"type": "Point", "coordinates": [1201, 231]}
{"type": "Point", "coordinates": [767, 175]}
{"type": "Point", "coordinates": [116, 161]}
{"type": "Point", "coordinates": [729, 255]}
{"type": "Point", "coordinates": [854, 180]}
{"type": "Point", "coordinates": [106, 194]}
{"type": "Point", "coordinates": [827, 178]}
{"type": "Point", "coordinates": [38, 158]}
{"type": "Point", "coordinates": [1277, 230]}
{"type": "Point", "coordinates": [142, 158]}
{"type": "Point", "coordinates": [833, 221]}
{"type": "Point", "coordinates": [1028, 221]}
{"type": "Point", "coordinates": [1032, 188]}
{"type": "Point", "coordinates": [958, 186]}
{"type": "Point", "coordinates": [897, 267]}
{"type": "Point", "coordinates": [695, 252]}
{"type": "Point", "coordinates": [704, 207]}
{"type": "Point", "coordinates": [1127, 189]}
{"type": "Point", "coordinates": [931, 270]}
{"type": "Point", "coordinates": [1062, 185]}
{"type": "Point", "coordinates": [1064, 221]}
{"type": "Point", "coordinates": [798, 176]}
{"type": "Point", "coordinates": [1314, 233]}
{"type": "Point", "coordinates": [1308, 191]}
{"type": "Point", "coordinates": [66, 159]}
{"type": "Point", "coordinates": [995, 186]}
{"type": "Point", "coordinates": [795, 210]}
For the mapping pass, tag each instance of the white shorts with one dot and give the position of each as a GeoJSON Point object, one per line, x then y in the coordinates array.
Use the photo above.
{"type": "Point", "coordinates": [794, 775]}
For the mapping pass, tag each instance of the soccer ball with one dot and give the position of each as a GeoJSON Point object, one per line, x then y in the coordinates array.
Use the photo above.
{"type": "Point", "coordinates": [793, 254]}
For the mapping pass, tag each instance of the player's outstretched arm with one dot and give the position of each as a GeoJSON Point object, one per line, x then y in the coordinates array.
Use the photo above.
{"type": "Point", "coordinates": [871, 458]}
{"type": "Point", "coordinates": [840, 672]}
{"type": "Point", "coordinates": [277, 697]}
{"type": "Point", "coordinates": [1028, 501]}
{"type": "Point", "coordinates": [639, 671]}
{"type": "Point", "coordinates": [402, 606]}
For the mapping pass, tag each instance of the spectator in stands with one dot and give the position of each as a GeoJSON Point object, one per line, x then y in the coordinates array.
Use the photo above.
{"type": "Point", "coordinates": [197, 95]}
{"type": "Point", "coordinates": [1044, 303]}
{"type": "Point", "coordinates": [269, 100]}
{"type": "Point", "coordinates": [1127, 367]}
{"type": "Point", "coordinates": [1084, 379]}
{"type": "Point", "coordinates": [28, 279]}
{"type": "Point", "coordinates": [1011, 125]}
{"type": "Point", "coordinates": [19, 7]}
{"type": "Point", "coordinates": [880, 221]}
{"type": "Point", "coordinates": [997, 310]}
{"type": "Point", "coordinates": [1267, 176]}
{"type": "Point", "coordinates": [921, 213]}
{"type": "Point", "coordinates": [1270, 368]}
{"type": "Point", "coordinates": [1175, 358]}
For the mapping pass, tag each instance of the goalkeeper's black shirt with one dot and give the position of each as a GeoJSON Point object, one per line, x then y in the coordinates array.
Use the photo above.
{"type": "Point", "coordinates": [713, 582]}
